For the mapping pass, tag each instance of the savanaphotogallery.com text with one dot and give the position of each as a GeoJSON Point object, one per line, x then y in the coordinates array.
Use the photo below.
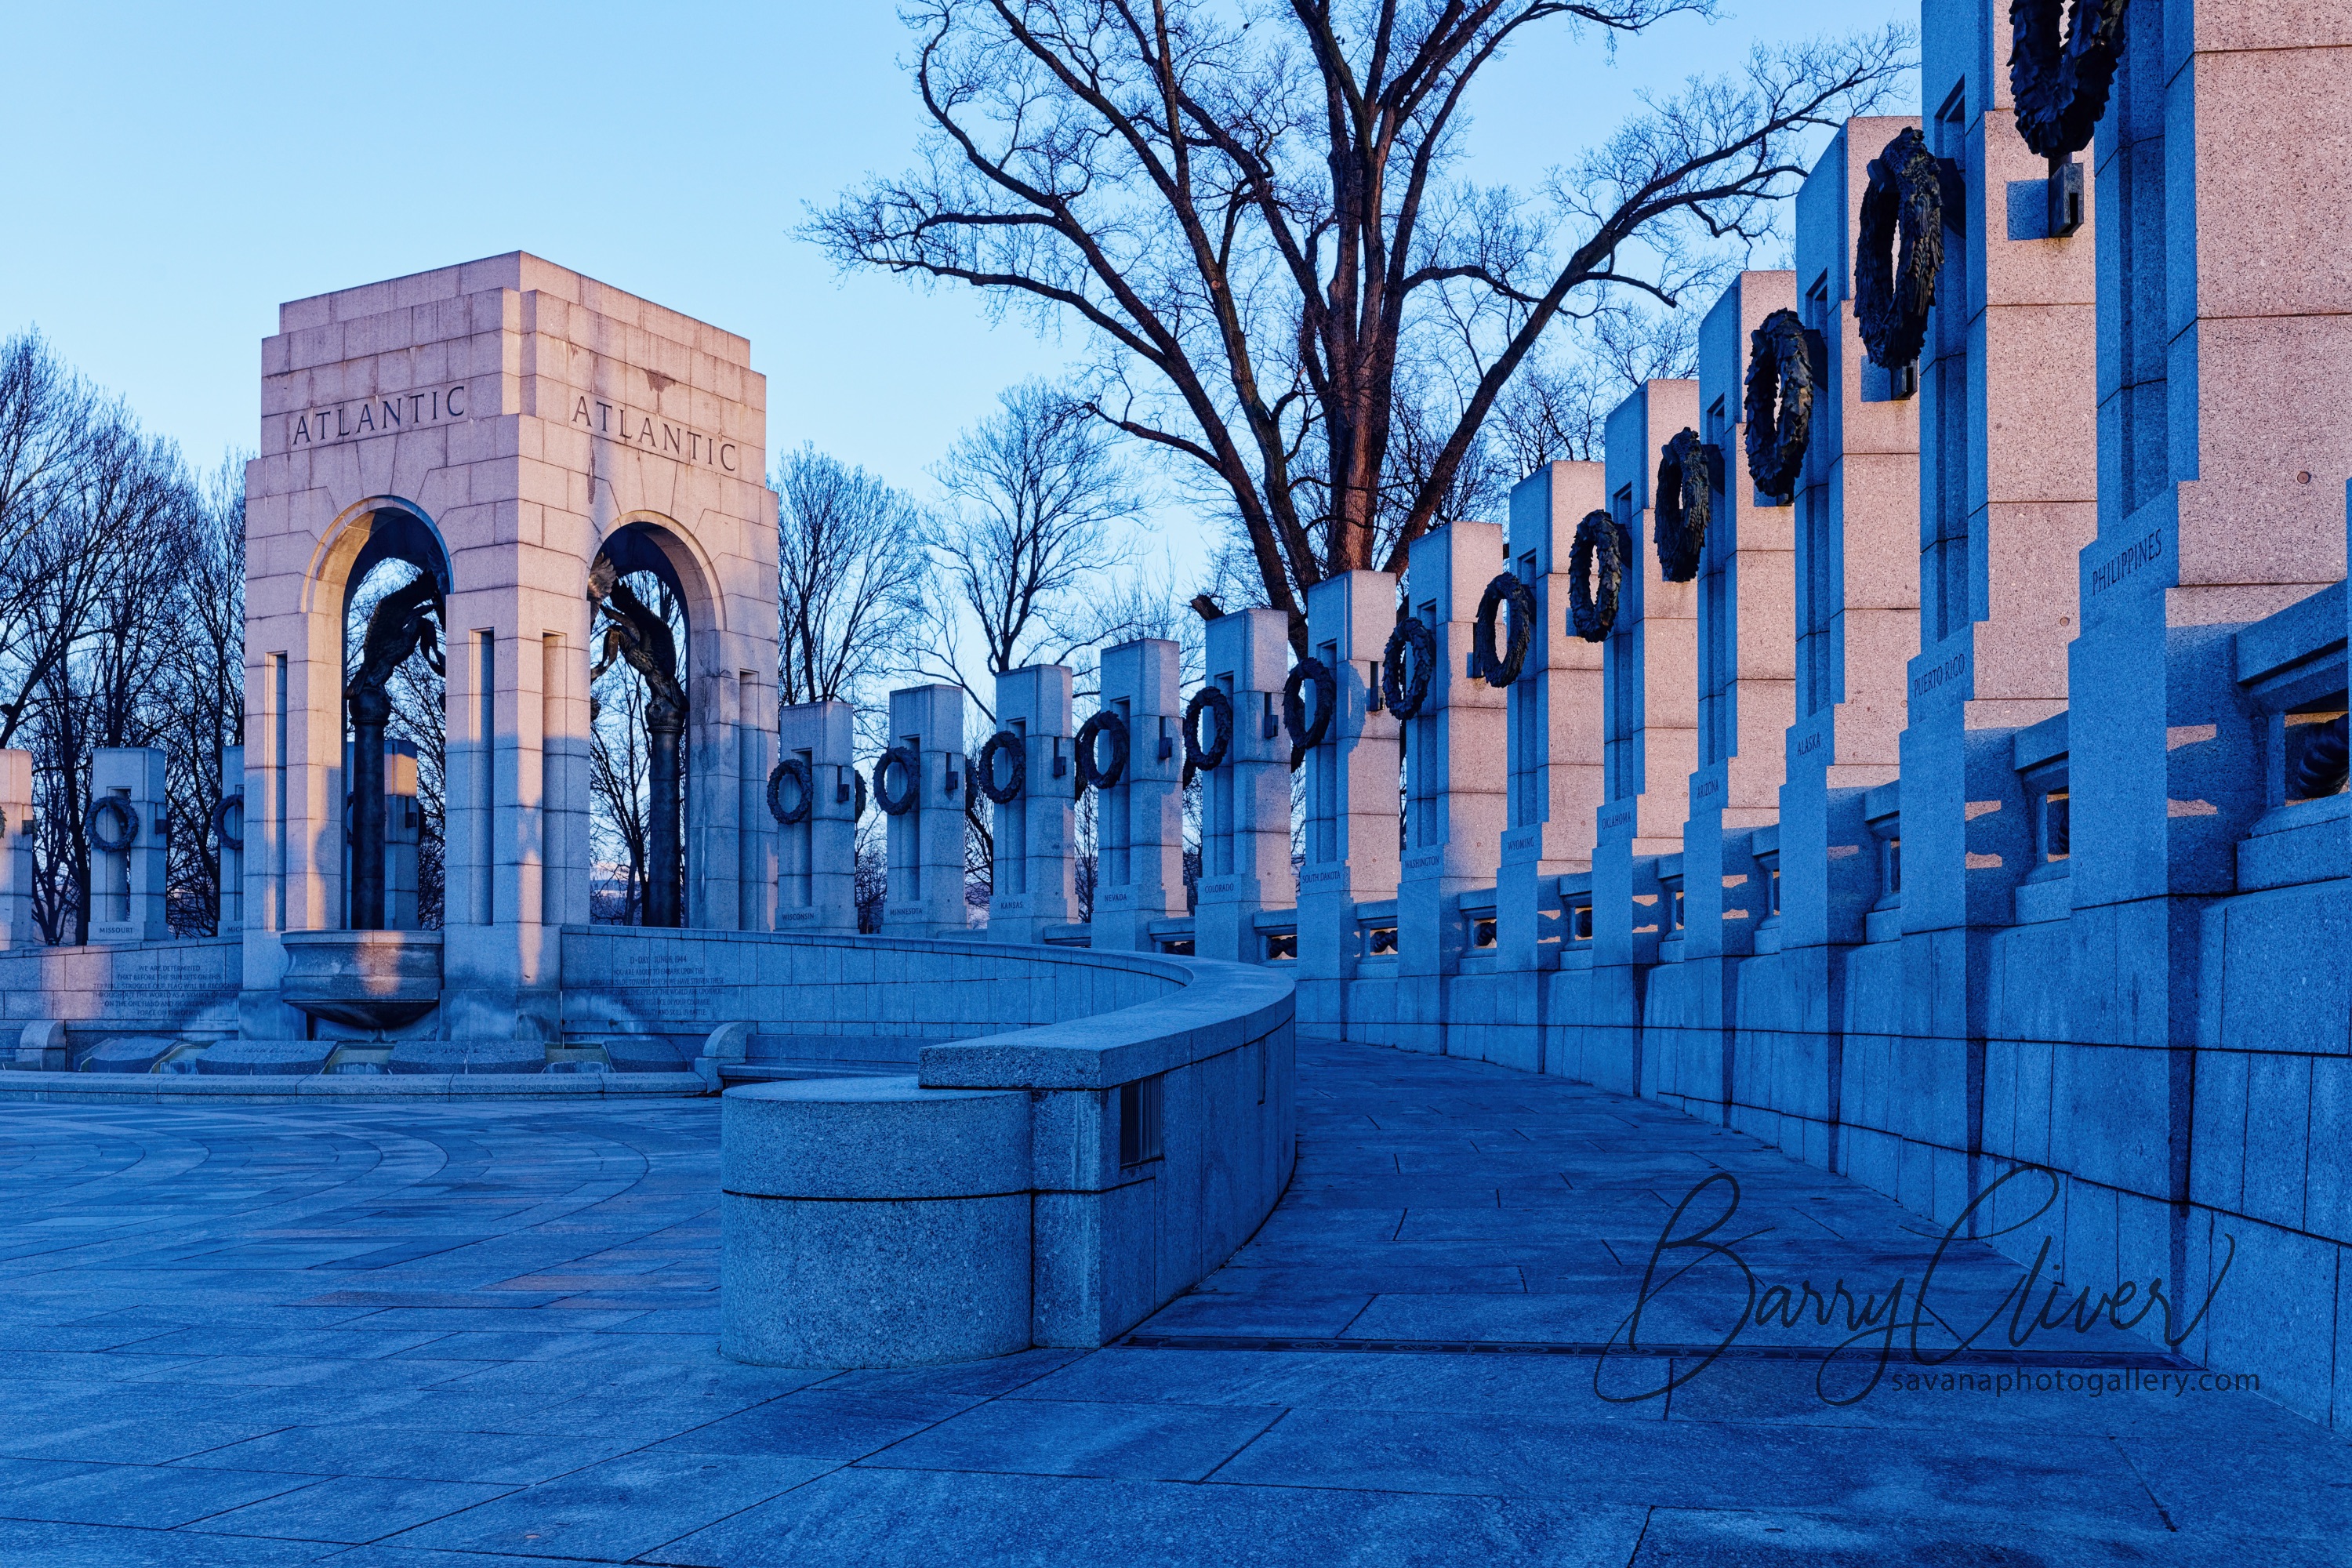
{"type": "Point", "coordinates": [2095, 1384]}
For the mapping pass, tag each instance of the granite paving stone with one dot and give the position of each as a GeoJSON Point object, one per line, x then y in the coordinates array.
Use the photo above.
{"type": "Point", "coordinates": [155, 1497]}
{"type": "Point", "coordinates": [862, 1516]}
{"type": "Point", "coordinates": [445, 1336]}
{"type": "Point", "coordinates": [1129, 1442]}
{"type": "Point", "coordinates": [31, 1544]}
{"type": "Point", "coordinates": [620, 1509]}
{"type": "Point", "coordinates": [352, 1509]}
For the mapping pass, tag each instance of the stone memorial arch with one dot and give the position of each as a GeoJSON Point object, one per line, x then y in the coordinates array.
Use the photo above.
{"type": "Point", "coordinates": [528, 438]}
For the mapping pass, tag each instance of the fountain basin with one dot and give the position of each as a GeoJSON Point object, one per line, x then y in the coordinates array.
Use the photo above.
{"type": "Point", "coordinates": [372, 980]}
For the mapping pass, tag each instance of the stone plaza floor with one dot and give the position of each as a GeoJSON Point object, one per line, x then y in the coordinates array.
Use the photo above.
{"type": "Point", "coordinates": [424, 1336]}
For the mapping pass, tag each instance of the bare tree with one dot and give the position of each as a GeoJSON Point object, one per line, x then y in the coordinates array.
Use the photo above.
{"type": "Point", "coordinates": [47, 413]}
{"type": "Point", "coordinates": [420, 695]}
{"type": "Point", "coordinates": [91, 511]}
{"type": "Point", "coordinates": [204, 685]}
{"type": "Point", "coordinates": [620, 766]}
{"type": "Point", "coordinates": [76, 481]}
{"type": "Point", "coordinates": [1027, 548]}
{"type": "Point", "coordinates": [1254, 213]}
{"type": "Point", "coordinates": [418, 691]}
{"type": "Point", "coordinates": [850, 566]}
{"type": "Point", "coordinates": [618, 771]}
{"type": "Point", "coordinates": [121, 624]}
{"type": "Point", "coordinates": [1557, 408]}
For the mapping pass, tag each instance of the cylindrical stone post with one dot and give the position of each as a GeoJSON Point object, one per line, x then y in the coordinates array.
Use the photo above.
{"type": "Point", "coordinates": [370, 708]}
{"type": "Point", "coordinates": [869, 1222]}
{"type": "Point", "coordinates": [665, 846]}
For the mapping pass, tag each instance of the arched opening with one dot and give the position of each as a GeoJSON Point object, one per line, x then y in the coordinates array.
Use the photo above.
{"type": "Point", "coordinates": [394, 730]}
{"type": "Point", "coordinates": [638, 719]}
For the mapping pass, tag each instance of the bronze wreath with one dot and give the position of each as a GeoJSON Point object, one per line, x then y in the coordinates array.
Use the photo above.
{"type": "Point", "coordinates": [2325, 760]}
{"type": "Point", "coordinates": [1198, 757]}
{"type": "Point", "coordinates": [910, 763]}
{"type": "Point", "coordinates": [1092, 774]}
{"type": "Point", "coordinates": [2062, 88]}
{"type": "Point", "coordinates": [1503, 669]}
{"type": "Point", "coordinates": [1892, 293]}
{"type": "Point", "coordinates": [798, 770]}
{"type": "Point", "coordinates": [1007, 742]}
{"type": "Point", "coordinates": [1305, 736]}
{"type": "Point", "coordinates": [1688, 470]}
{"type": "Point", "coordinates": [229, 802]}
{"type": "Point", "coordinates": [1403, 692]}
{"type": "Point", "coordinates": [111, 808]}
{"type": "Point", "coordinates": [1779, 402]}
{"type": "Point", "coordinates": [1600, 543]}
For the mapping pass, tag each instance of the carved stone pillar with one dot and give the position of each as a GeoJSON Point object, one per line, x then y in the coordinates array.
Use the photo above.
{"type": "Point", "coordinates": [1139, 818]}
{"type": "Point", "coordinates": [1353, 830]}
{"type": "Point", "coordinates": [923, 777]}
{"type": "Point", "coordinates": [1456, 766]}
{"type": "Point", "coordinates": [1037, 886]}
{"type": "Point", "coordinates": [127, 884]}
{"type": "Point", "coordinates": [817, 852]}
{"type": "Point", "coordinates": [1245, 798]}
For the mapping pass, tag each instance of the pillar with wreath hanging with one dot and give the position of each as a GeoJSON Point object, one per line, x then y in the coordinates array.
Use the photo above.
{"type": "Point", "coordinates": [1455, 761]}
{"type": "Point", "coordinates": [129, 825]}
{"type": "Point", "coordinates": [817, 797]}
{"type": "Point", "coordinates": [919, 783]}
{"type": "Point", "coordinates": [1128, 753]}
{"type": "Point", "coordinates": [17, 927]}
{"type": "Point", "coordinates": [1026, 770]}
{"type": "Point", "coordinates": [1856, 576]}
{"type": "Point", "coordinates": [1347, 744]}
{"type": "Point", "coordinates": [1542, 621]}
{"type": "Point", "coordinates": [1234, 741]}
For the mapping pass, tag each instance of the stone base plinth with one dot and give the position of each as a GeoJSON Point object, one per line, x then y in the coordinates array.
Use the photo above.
{"type": "Point", "coordinates": [871, 1222]}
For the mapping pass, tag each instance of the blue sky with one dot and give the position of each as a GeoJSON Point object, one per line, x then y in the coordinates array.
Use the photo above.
{"type": "Point", "coordinates": [175, 172]}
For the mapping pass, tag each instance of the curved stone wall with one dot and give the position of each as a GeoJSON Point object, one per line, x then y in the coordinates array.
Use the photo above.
{"type": "Point", "coordinates": [1088, 1136]}
{"type": "Point", "coordinates": [645, 991]}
